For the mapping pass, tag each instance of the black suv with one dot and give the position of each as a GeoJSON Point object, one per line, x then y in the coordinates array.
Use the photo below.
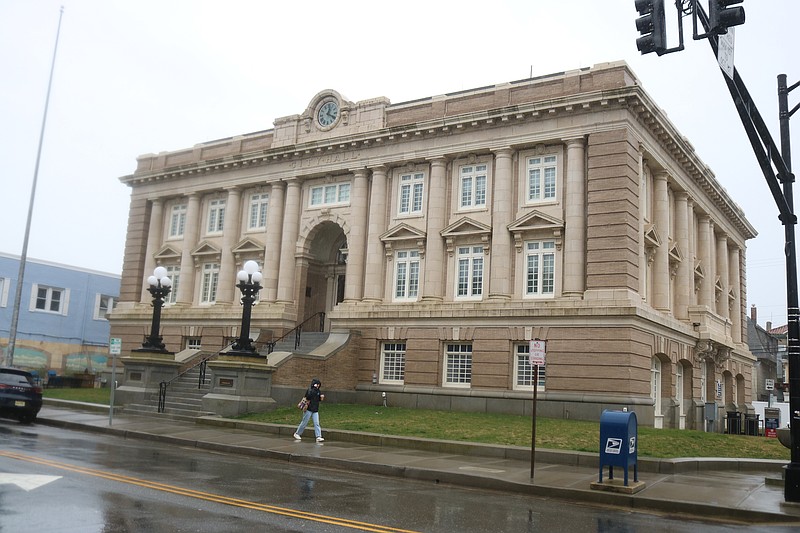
{"type": "Point", "coordinates": [20, 397]}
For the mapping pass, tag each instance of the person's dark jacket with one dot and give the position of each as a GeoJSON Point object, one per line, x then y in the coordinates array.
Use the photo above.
{"type": "Point", "coordinates": [313, 396]}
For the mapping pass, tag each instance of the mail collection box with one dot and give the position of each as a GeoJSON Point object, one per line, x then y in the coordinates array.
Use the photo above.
{"type": "Point", "coordinates": [618, 443]}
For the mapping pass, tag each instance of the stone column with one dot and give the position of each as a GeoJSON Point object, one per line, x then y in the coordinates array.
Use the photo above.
{"type": "Point", "coordinates": [272, 250]}
{"type": "Point", "coordinates": [357, 240]}
{"type": "Point", "coordinates": [661, 262]}
{"type": "Point", "coordinates": [433, 288]}
{"type": "Point", "coordinates": [734, 263]}
{"type": "Point", "coordinates": [723, 272]}
{"type": "Point", "coordinates": [190, 234]}
{"type": "Point", "coordinates": [375, 260]}
{"type": "Point", "coordinates": [154, 237]}
{"type": "Point", "coordinates": [575, 220]}
{"type": "Point", "coordinates": [684, 283]}
{"type": "Point", "coordinates": [704, 249]}
{"type": "Point", "coordinates": [291, 229]}
{"type": "Point", "coordinates": [230, 236]}
{"type": "Point", "coordinates": [502, 215]}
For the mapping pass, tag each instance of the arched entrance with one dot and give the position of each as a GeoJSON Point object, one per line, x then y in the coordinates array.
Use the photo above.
{"type": "Point", "coordinates": [323, 273]}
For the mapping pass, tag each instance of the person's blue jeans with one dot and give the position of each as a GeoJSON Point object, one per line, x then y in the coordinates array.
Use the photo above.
{"type": "Point", "coordinates": [303, 423]}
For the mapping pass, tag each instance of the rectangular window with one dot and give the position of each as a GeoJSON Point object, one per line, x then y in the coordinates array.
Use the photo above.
{"type": "Point", "coordinates": [210, 280]}
{"type": "Point", "coordinates": [406, 275]}
{"type": "Point", "coordinates": [470, 272]}
{"type": "Point", "coordinates": [174, 275]}
{"type": "Point", "coordinates": [216, 216]}
{"type": "Point", "coordinates": [4, 284]}
{"type": "Point", "coordinates": [49, 299]}
{"type": "Point", "coordinates": [193, 343]}
{"type": "Point", "coordinates": [177, 221]}
{"type": "Point", "coordinates": [473, 186]}
{"type": "Point", "coordinates": [411, 187]}
{"type": "Point", "coordinates": [103, 305]}
{"type": "Point", "coordinates": [458, 365]}
{"type": "Point", "coordinates": [258, 211]}
{"type": "Point", "coordinates": [541, 178]}
{"type": "Point", "coordinates": [335, 194]}
{"type": "Point", "coordinates": [393, 362]}
{"type": "Point", "coordinates": [540, 270]}
{"type": "Point", "coordinates": [524, 371]}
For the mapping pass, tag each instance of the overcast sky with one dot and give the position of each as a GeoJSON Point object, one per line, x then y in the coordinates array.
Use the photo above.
{"type": "Point", "coordinates": [144, 76]}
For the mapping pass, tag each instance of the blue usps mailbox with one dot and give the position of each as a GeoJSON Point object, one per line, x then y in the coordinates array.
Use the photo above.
{"type": "Point", "coordinates": [618, 443]}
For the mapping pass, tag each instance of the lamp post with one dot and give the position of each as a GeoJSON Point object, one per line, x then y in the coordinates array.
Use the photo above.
{"type": "Point", "coordinates": [249, 283]}
{"type": "Point", "coordinates": [159, 287]}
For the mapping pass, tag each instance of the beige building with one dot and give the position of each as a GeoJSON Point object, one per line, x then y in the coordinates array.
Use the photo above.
{"type": "Point", "coordinates": [440, 236]}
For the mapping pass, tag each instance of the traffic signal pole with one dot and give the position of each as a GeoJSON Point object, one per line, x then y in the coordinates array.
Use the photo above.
{"type": "Point", "coordinates": [768, 155]}
{"type": "Point", "coordinates": [775, 165]}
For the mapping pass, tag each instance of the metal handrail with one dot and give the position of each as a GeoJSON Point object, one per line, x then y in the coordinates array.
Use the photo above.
{"type": "Point", "coordinates": [162, 387]}
{"type": "Point", "coordinates": [297, 330]}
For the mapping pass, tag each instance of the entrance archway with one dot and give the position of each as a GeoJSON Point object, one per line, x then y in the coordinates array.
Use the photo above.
{"type": "Point", "coordinates": [324, 269]}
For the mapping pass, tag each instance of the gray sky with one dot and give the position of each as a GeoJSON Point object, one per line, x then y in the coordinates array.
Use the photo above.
{"type": "Point", "coordinates": [153, 75]}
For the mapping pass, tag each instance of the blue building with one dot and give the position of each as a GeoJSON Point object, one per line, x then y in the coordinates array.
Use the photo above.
{"type": "Point", "coordinates": [62, 316]}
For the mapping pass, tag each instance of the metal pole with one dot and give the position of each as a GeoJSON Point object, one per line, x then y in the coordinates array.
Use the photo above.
{"type": "Point", "coordinates": [533, 417]}
{"type": "Point", "coordinates": [12, 334]}
{"type": "Point", "coordinates": [792, 478]}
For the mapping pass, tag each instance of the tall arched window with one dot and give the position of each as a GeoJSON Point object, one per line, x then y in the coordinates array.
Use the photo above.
{"type": "Point", "coordinates": [655, 392]}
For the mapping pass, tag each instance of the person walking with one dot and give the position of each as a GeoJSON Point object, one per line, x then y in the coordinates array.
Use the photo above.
{"type": "Point", "coordinates": [314, 396]}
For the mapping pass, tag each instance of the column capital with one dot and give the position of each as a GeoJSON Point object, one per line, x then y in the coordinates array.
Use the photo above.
{"type": "Point", "coordinates": [505, 151]}
{"type": "Point", "coordinates": [660, 175]}
{"type": "Point", "coordinates": [575, 141]}
{"type": "Point", "coordinates": [362, 171]}
{"type": "Point", "coordinates": [439, 160]}
{"type": "Point", "coordinates": [382, 169]}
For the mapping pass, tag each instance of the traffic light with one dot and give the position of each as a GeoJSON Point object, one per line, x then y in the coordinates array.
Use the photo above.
{"type": "Point", "coordinates": [652, 25]}
{"type": "Point", "coordinates": [721, 17]}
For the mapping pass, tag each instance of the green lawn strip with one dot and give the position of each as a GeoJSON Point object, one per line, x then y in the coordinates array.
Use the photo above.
{"type": "Point", "coordinates": [500, 429]}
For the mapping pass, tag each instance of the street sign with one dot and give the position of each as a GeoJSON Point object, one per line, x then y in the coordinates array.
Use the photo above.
{"type": "Point", "coordinates": [725, 53]}
{"type": "Point", "coordinates": [770, 384]}
{"type": "Point", "coordinates": [115, 346]}
{"type": "Point", "coordinates": [537, 352]}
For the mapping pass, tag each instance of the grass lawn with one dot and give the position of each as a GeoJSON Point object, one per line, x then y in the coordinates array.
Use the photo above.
{"type": "Point", "coordinates": [498, 429]}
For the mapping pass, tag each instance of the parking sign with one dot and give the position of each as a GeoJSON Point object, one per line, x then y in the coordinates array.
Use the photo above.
{"type": "Point", "coordinates": [537, 352]}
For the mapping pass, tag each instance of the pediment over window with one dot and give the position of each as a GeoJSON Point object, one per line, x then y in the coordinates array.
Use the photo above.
{"type": "Point", "coordinates": [675, 259]}
{"type": "Point", "coordinates": [405, 236]}
{"type": "Point", "coordinates": [248, 248]}
{"type": "Point", "coordinates": [651, 237]}
{"type": "Point", "coordinates": [466, 226]}
{"type": "Point", "coordinates": [538, 223]}
{"type": "Point", "coordinates": [167, 254]}
{"type": "Point", "coordinates": [699, 276]}
{"type": "Point", "coordinates": [206, 251]}
{"type": "Point", "coordinates": [469, 228]}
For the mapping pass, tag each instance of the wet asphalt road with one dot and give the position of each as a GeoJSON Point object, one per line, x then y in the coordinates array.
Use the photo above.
{"type": "Point", "coordinates": [59, 480]}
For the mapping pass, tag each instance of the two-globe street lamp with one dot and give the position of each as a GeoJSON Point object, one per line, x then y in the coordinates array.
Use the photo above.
{"type": "Point", "coordinates": [249, 283]}
{"type": "Point", "coordinates": [159, 286]}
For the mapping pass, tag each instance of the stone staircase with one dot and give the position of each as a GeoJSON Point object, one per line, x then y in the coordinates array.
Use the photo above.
{"type": "Point", "coordinates": [184, 400]}
{"type": "Point", "coordinates": [309, 341]}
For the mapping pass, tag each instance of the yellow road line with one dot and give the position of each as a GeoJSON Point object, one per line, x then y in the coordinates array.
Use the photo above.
{"type": "Point", "coordinates": [292, 513]}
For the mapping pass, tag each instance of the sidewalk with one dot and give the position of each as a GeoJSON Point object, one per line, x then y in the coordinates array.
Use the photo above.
{"type": "Point", "coordinates": [731, 490]}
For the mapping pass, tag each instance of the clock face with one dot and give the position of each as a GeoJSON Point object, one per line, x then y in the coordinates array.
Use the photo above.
{"type": "Point", "coordinates": [328, 113]}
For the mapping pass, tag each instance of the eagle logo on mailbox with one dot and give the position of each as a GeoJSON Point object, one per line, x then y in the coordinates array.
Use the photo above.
{"type": "Point", "coordinates": [613, 445]}
{"type": "Point", "coordinates": [632, 445]}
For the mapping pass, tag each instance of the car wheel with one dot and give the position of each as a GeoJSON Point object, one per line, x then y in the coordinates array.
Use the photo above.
{"type": "Point", "coordinates": [26, 419]}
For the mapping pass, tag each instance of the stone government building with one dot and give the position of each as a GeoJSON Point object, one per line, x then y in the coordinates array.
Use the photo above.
{"type": "Point", "coordinates": [439, 236]}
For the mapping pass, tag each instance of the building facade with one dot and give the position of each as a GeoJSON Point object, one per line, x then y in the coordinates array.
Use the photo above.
{"type": "Point", "coordinates": [62, 325]}
{"type": "Point", "coordinates": [442, 235]}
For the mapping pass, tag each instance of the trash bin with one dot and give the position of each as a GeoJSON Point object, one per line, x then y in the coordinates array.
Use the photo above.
{"type": "Point", "coordinates": [734, 422]}
{"type": "Point", "coordinates": [751, 424]}
{"type": "Point", "coordinates": [618, 443]}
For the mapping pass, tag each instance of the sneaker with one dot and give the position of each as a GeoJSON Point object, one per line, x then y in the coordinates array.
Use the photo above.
{"type": "Point", "coordinates": [320, 439]}
{"type": "Point", "coordinates": [296, 437]}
